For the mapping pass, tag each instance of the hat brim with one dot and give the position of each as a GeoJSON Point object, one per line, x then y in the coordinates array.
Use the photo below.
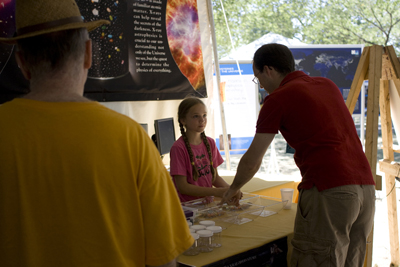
{"type": "Point", "coordinates": [91, 25]}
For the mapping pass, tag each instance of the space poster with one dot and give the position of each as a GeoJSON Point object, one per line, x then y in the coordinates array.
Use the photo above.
{"type": "Point", "coordinates": [150, 51]}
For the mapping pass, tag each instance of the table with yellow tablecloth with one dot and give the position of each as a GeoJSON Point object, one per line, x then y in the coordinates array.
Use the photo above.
{"type": "Point", "coordinates": [267, 188]}
{"type": "Point", "coordinates": [238, 239]}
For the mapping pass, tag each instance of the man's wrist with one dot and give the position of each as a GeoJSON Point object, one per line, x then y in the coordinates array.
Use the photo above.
{"type": "Point", "coordinates": [234, 188]}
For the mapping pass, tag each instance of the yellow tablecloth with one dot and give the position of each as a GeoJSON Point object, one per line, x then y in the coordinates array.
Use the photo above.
{"type": "Point", "coordinates": [267, 188]}
{"type": "Point", "coordinates": [240, 238]}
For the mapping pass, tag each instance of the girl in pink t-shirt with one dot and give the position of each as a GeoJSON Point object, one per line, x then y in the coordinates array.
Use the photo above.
{"type": "Point", "coordinates": [194, 156]}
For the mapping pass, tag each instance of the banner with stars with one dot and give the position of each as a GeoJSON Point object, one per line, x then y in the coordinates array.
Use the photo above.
{"type": "Point", "coordinates": [150, 51]}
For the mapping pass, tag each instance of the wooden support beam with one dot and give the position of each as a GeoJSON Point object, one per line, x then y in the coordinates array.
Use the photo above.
{"type": "Point", "coordinates": [389, 167]}
{"type": "Point", "coordinates": [378, 182]}
{"type": "Point", "coordinates": [386, 120]}
{"type": "Point", "coordinates": [391, 67]}
{"type": "Point", "coordinates": [389, 50]}
{"type": "Point", "coordinates": [388, 73]}
{"type": "Point", "coordinates": [371, 134]}
{"type": "Point", "coordinates": [359, 77]}
{"type": "Point", "coordinates": [392, 220]}
{"type": "Point", "coordinates": [379, 65]}
{"type": "Point", "coordinates": [379, 68]}
{"type": "Point", "coordinates": [388, 154]}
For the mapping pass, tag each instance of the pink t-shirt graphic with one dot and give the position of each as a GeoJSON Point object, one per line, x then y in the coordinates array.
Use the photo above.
{"type": "Point", "coordinates": [180, 164]}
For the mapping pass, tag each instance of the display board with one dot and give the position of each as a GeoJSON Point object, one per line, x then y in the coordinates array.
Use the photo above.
{"type": "Point", "coordinates": [335, 62]}
{"type": "Point", "coordinates": [241, 106]}
{"type": "Point", "coordinates": [150, 51]}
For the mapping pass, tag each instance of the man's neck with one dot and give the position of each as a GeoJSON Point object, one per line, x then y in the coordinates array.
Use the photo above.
{"type": "Point", "coordinates": [56, 97]}
{"type": "Point", "coordinates": [57, 89]}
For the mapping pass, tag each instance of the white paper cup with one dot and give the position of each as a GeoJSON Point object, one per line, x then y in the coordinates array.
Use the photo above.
{"type": "Point", "coordinates": [287, 194]}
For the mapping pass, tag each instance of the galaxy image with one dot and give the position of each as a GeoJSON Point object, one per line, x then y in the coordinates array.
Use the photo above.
{"type": "Point", "coordinates": [183, 32]}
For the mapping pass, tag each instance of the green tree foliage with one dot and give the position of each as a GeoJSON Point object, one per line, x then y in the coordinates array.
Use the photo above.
{"type": "Point", "coordinates": [367, 22]}
{"type": "Point", "coordinates": [248, 20]}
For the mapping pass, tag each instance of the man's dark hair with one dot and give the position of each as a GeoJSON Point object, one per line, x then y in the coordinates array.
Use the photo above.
{"type": "Point", "coordinates": [52, 51]}
{"type": "Point", "coordinates": [274, 55]}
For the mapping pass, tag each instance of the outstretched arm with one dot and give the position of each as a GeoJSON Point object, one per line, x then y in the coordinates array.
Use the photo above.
{"type": "Point", "coordinates": [248, 165]}
{"type": "Point", "coordinates": [219, 181]}
{"type": "Point", "coordinates": [193, 190]}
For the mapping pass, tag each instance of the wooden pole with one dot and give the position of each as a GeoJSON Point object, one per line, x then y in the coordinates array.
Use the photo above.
{"type": "Point", "coordinates": [380, 65]}
{"type": "Point", "coordinates": [359, 77]}
{"type": "Point", "coordinates": [388, 154]}
{"type": "Point", "coordinates": [371, 135]}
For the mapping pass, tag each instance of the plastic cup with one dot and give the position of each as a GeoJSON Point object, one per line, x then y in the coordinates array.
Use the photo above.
{"type": "Point", "coordinates": [207, 223]}
{"type": "Point", "coordinates": [216, 238]}
{"type": "Point", "coordinates": [287, 195]}
{"type": "Point", "coordinates": [205, 240]}
{"type": "Point", "coordinates": [198, 227]}
{"type": "Point", "coordinates": [193, 250]}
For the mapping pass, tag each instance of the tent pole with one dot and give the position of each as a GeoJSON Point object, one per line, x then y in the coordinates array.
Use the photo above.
{"type": "Point", "coordinates": [217, 74]}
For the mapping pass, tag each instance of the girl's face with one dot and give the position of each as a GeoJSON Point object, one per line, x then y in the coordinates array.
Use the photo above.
{"type": "Point", "coordinates": [196, 118]}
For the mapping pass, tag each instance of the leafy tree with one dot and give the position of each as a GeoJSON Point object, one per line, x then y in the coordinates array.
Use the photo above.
{"type": "Point", "coordinates": [249, 20]}
{"type": "Point", "coordinates": [372, 22]}
{"type": "Point", "coordinates": [367, 22]}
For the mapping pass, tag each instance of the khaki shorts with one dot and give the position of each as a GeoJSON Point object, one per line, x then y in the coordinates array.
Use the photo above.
{"type": "Point", "coordinates": [332, 226]}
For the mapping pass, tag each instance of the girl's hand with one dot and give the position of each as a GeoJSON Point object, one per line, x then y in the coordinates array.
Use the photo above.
{"type": "Point", "coordinates": [231, 197]}
{"type": "Point", "coordinates": [209, 199]}
{"type": "Point", "coordinates": [222, 191]}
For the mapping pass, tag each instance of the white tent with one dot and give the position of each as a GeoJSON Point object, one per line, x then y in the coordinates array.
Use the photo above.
{"type": "Point", "coordinates": [246, 52]}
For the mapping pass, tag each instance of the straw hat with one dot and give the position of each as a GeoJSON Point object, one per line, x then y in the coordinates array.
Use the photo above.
{"type": "Point", "coordinates": [36, 17]}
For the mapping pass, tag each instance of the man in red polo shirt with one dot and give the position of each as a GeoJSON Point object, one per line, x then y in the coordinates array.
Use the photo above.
{"type": "Point", "coordinates": [337, 194]}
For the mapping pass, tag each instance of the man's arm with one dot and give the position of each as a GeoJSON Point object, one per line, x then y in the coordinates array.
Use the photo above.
{"type": "Point", "coordinates": [248, 165]}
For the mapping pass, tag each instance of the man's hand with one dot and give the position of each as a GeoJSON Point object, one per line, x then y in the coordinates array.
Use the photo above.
{"type": "Point", "coordinates": [231, 197]}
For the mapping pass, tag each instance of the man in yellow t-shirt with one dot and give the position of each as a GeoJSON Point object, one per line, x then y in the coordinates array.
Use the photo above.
{"type": "Point", "coordinates": [80, 184]}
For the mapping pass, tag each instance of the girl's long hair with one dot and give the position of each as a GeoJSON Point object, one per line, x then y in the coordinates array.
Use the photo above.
{"type": "Point", "coordinates": [183, 109]}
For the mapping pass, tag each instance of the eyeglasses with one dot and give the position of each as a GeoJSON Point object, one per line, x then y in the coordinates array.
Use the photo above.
{"type": "Point", "coordinates": [255, 79]}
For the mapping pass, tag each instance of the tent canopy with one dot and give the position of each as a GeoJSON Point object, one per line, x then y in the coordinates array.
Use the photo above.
{"type": "Point", "coordinates": [246, 52]}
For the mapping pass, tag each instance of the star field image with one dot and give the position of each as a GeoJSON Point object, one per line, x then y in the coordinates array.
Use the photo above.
{"type": "Point", "coordinates": [110, 48]}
